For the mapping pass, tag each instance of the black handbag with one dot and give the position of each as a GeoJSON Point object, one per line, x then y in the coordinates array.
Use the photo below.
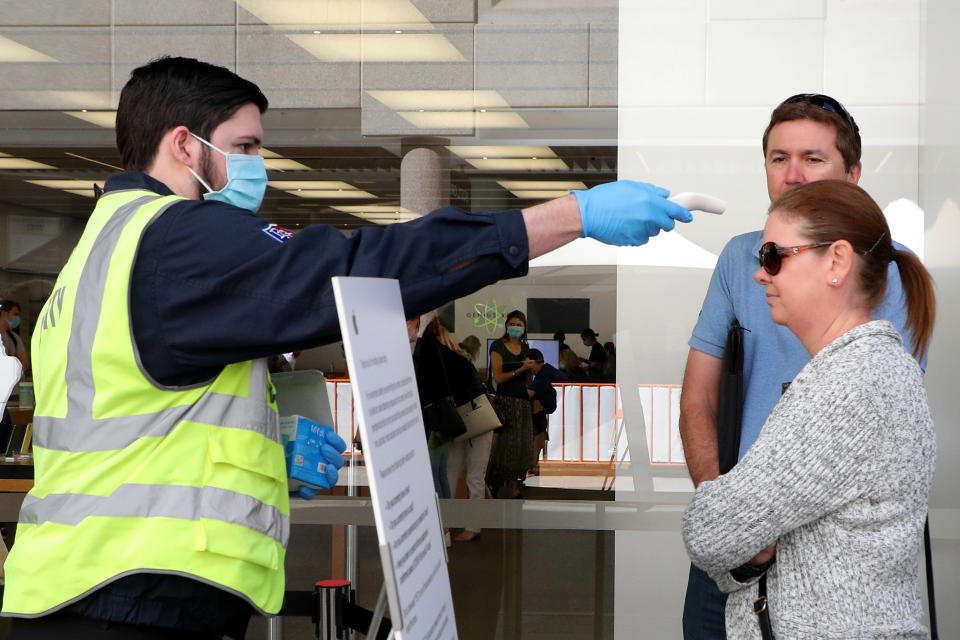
{"type": "Point", "coordinates": [441, 415]}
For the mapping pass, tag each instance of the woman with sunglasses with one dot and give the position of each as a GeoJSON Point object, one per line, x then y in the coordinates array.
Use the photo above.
{"type": "Point", "coordinates": [817, 531]}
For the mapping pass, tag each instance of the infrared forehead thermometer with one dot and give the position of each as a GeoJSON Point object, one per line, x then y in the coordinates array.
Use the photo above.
{"type": "Point", "coordinates": [699, 202]}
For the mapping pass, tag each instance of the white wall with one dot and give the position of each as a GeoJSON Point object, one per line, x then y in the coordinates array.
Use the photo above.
{"type": "Point", "coordinates": [939, 168]}
{"type": "Point", "coordinates": [697, 82]}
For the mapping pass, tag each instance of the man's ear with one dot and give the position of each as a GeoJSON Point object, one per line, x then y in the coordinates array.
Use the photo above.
{"type": "Point", "coordinates": [854, 174]}
{"type": "Point", "coordinates": [182, 146]}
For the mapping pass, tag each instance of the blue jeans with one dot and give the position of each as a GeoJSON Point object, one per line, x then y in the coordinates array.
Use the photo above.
{"type": "Point", "coordinates": [438, 465]}
{"type": "Point", "coordinates": [703, 609]}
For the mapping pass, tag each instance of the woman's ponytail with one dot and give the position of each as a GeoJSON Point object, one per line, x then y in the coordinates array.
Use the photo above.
{"type": "Point", "coordinates": [921, 299]}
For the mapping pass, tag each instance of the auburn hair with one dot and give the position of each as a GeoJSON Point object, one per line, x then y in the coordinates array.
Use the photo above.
{"type": "Point", "coordinates": [831, 210]}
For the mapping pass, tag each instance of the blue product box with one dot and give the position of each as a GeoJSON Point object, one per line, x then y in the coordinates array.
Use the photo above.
{"type": "Point", "coordinates": [302, 438]}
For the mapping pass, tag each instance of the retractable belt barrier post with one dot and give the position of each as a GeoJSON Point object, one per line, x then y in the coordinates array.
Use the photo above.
{"type": "Point", "coordinates": [333, 610]}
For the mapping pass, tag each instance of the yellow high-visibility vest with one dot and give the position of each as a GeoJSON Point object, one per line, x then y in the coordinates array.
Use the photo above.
{"type": "Point", "coordinates": [133, 476]}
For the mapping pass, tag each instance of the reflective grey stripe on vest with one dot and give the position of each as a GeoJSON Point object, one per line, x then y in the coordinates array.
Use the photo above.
{"type": "Point", "coordinates": [163, 501]}
{"type": "Point", "coordinates": [79, 431]}
{"type": "Point", "coordinates": [76, 434]}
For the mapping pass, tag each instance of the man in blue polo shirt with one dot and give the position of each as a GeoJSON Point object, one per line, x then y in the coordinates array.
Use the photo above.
{"type": "Point", "coordinates": [810, 137]}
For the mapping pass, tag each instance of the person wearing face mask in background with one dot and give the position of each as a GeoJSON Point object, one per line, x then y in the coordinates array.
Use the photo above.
{"type": "Point", "coordinates": [510, 369]}
{"type": "Point", "coordinates": [154, 346]}
{"type": "Point", "coordinates": [12, 346]}
{"type": "Point", "coordinates": [598, 356]}
{"type": "Point", "coordinates": [9, 324]}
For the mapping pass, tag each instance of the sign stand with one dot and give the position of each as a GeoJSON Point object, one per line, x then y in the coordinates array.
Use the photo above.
{"type": "Point", "coordinates": [416, 588]}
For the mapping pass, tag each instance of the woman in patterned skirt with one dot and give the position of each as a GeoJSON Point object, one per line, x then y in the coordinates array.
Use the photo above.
{"type": "Point", "coordinates": [512, 453]}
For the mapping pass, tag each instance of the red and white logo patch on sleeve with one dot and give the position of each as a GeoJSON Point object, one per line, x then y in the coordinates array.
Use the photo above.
{"type": "Point", "coordinates": [277, 232]}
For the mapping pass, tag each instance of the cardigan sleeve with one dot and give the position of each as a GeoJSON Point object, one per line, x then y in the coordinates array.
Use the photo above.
{"type": "Point", "coordinates": [805, 464]}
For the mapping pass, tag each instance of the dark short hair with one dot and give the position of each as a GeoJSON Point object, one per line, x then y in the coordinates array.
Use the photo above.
{"type": "Point", "coordinates": [536, 355]}
{"type": "Point", "coordinates": [848, 134]}
{"type": "Point", "coordinates": [559, 335]}
{"type": "Point", "coordinates": [170, 92]}
{"type": "Point", "coordinates": [588, 333]}
{"type": "Point", "coordinates": [7, 304]}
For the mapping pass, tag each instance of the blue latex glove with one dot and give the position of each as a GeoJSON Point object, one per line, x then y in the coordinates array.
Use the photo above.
{"type": "Point", "coordinates": [627, 213]}
{"type": "Point", "coordinates": [331, 449]}
{"type": "Point", "coordinates": [305, 491]}
{"type": "Point", "coordinates": [331, 452]}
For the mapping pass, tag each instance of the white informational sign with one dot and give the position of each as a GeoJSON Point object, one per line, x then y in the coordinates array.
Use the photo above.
{"type": "Point", "coordinates": [395, 453]}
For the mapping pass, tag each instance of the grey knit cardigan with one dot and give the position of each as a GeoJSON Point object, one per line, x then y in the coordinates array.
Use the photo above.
{"type": "Point", "coordinates": [840, 477]}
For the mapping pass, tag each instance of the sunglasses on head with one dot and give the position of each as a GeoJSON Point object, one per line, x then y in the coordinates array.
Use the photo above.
{"type": "Point", "coordinates": [824, 102]}
{"type": "Point", "coordinates": [771, 256]}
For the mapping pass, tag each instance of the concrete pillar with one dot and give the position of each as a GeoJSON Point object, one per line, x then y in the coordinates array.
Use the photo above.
{"type": "Point", "coordinates": [424, 179]}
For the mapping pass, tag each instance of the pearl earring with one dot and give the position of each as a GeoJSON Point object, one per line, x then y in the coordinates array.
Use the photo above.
{"type": "Point", "coordinates": [835, 281]}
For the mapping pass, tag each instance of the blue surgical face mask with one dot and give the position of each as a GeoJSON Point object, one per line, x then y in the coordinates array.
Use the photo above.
{"type": "Point", "coordinates": [14, 322]}
{"type": "Point", "coordinates": [514, 331]}
{"type": "Point", "coordinates": [246, 180]}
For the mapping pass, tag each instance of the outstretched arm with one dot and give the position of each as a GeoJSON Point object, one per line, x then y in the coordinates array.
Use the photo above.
{"type": "Point", "coordinates": [624, 213]}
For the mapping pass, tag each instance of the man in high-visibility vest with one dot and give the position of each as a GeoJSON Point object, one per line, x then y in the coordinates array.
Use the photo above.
{"type": "Point", "coordinates": [160, 507]}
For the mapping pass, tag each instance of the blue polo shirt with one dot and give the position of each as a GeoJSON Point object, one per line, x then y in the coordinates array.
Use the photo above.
{"type": "Point", "coordinates": [214, 284]}
{"type": "Point", "coordinates": [772, 355]}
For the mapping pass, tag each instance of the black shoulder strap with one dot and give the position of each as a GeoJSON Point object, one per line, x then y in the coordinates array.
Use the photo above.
{"type": "Point", "coordinates": [931, 601]}
{"type": "Point", "coordinates": [730, 409]}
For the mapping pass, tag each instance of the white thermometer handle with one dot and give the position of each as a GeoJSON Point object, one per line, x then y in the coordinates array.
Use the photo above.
{"type": "Point", "coordinates": [699, 202]}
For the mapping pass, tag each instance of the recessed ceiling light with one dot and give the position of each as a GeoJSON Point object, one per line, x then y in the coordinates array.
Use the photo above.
{"type": "Point", "coordinates": [284, 164]}
{"type": "Point", "coordinates": [22, 163]}
{"type": "Point", "coordinates": [438, 99]}
{"type": "Point", "coordinates": [331, 194]}
{"type": "Point", "coordinates": [465, 120]}
{"type": "Point", "coordinates": [371, 208]}
{"type": "Point", "coordinates": [541, 185]}
{"type": "Point", "coordinates": [81, 185]}
{"type": "Point", "coordinates": [537, 194]}
{"type": "Point", "coordinates": [288, 185]}
{"type": "Point", "coordinates": [501, 151]}
{"type": "Point", "coordinates": [105, 119]}
{"type": "Point", "coordinates": [518, 164]}
{"type": "Point", "coordinates": [379, 47]}
{"type": "Point", "coordinates": [11, 51]}
{"type": "Point", "coordinates": [310, 13]}
{"type": "Point", "coordinates": [55, 99]}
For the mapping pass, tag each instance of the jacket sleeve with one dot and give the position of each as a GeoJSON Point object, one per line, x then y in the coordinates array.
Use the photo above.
{"type": "Point", "coordinates": [213, 284]}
